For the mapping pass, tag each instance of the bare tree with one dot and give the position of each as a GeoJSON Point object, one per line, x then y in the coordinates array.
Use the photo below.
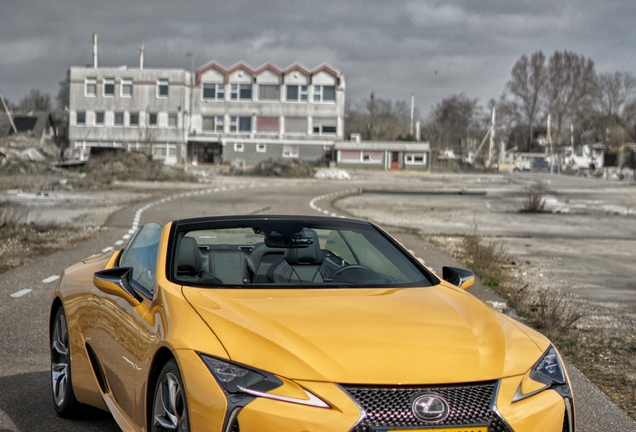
{"type": "Point", "coordinates": [570, 80]}
{"type": "Point", "coordinates": [453, 119]}
{"type": "Point", "coordinates": [527, 87]}
{"type": "Point", "coordinates": [379, 119]}
{"type": "Point", "coordinates": [613, 93]}
{"type": "Point", "coordinates": [63, 93]}
{"type": "Point", "coordinates": [35, 101]}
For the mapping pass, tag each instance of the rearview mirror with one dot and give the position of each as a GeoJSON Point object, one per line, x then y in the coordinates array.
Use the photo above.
{"type": "Point", "coordinates": [116, 282]}
{"type": "Point", "coordinates": [458, 276]}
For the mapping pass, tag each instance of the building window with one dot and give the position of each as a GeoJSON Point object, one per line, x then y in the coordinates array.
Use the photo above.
{"type": "Point", "coordinates": [99, 118]}
{"type": "Point", "coordinates": [296, 125]}
{"type": "Point", "coordinates": [368, 156]}
{"type": "Point", "coordinates": [239, 147]}
{"type": "Point", "coordinates": [90, 87]}
{"type": "Point", "coordinates": [261, 148]}
{"type": "Point", "coordinates": [267, 124]}
{"type": "Point", "coordinates": [415, 158]}
{"type": "Point", "coordinates": [134, 119]}
{"type": "Point", "coordinates": [212, 124]}
{"type": "Point", "coordinates": [241, 92]}
{"type": "Point", "coordinates": [245, 124]}
{"type": "Point", "coordinates": [240, 124]}
{"type": "Point", "coordinates": [152, 119]}
{"type": "Point", "coordinates": [325, 126]}
{"type": "Point", "coordinates": [213, 91]}
{"type": "Point", "coordinates": [126, 87]}
{"type": "Point", "coordinates": [268, 92]}
{"type": "Point", "coordinates": [324, 93]}
{"type": "Point", "coordinates": [172, 120]}
{"type": "Point", "coordinates": [290, 151]}
{"type": "Point", "coordinates": [80, 118]}
{"type": "Point", "coordinates": [296, 93]}
{"type": "Point", "coordinates": [162, 88]}
{"type": "Point", "coordinates": [159, 150]}
{"type": "Point", "coordinates": [109, 87]}
{"type": "Point", "coordinates": [119, 118]}
{"type": "Point", "coordinates": [207, 124]}
{"type": "Point", "coordinates": [219, 124]}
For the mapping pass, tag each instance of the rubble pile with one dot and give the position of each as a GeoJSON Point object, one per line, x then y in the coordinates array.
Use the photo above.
{"type": "Point", "coordinates": [24, 154]}
{"type": "Point", "coordinates": [332, 174]}
{"type": "Point", "coordinates": [274, 167]}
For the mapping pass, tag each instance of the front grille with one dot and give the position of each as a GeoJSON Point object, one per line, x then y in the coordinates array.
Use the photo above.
{"type": "Point", "coordinates": [390, 407]}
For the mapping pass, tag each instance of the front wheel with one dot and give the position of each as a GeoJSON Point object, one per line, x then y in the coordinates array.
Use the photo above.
{"type": "Point", "coordinates": [170, 409]}
{"type": "Point", "coordinates": [63, 395]}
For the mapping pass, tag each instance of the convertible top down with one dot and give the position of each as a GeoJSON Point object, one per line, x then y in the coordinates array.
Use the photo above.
{"type": "Point", "coordinates": [293, 323]}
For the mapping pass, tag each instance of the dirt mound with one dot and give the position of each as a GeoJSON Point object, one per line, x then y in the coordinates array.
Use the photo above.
{"type": "Point", "coordinates": [25, 154]}
{"type": "Point", "coordinates": [106, 167]}
{"type": "Point", "coordinates": [273, 167]}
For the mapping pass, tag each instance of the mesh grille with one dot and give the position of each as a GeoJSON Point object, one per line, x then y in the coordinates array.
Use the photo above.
{"type": "Point", "coordinates": [385, 407]}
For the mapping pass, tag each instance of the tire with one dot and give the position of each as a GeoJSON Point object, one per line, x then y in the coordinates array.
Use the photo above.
{"type": "Point", "coordinates": [170, 407]}
{"type": "Point", "coordinates": [61, 384]}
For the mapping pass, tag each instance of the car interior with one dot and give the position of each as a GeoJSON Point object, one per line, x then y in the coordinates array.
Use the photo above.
{"type": "Point", "coordinates": [248, 256]}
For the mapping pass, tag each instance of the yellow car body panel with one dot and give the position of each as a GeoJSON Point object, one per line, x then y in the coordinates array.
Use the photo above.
{"type": "Point", "coordinates": [334, 334]}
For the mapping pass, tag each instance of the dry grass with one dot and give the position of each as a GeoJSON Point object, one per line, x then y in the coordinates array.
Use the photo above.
{"type": "Point", "coordinates": [535, 198]}
{"type": "Point", "coordinates": [21, 244]}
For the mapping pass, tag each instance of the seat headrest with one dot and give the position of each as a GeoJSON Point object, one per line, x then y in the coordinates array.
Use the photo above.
{"type": "Point", "coordinates": [307, 255]}
{"type": "Point", "coordinates": [189, 258]}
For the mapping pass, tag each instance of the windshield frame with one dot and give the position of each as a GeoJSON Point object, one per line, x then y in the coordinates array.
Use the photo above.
{"type": "Point", "coordinates": [179, 228]}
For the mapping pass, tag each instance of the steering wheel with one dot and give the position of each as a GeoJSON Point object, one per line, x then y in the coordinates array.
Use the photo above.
{"type": "Point", "coordinates": [343, 269]}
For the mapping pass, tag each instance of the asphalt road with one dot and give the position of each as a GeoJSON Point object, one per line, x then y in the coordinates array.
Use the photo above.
{"type": "Point", "coordinates": [25, 294]}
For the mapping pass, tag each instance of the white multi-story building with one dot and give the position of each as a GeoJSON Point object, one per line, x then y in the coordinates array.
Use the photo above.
{"type": "Point", "coordinates": [215, 115]}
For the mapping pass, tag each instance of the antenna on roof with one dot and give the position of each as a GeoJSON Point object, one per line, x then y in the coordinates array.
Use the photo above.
{"type": "Point", "coordinates": [94, 50]}
{"type": "Point", "coordinates": [141, 56]}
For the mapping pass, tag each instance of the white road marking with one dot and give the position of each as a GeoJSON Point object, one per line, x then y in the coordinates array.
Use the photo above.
{"type": "Point", "coordinates": [21, 293]}
{"type": "Point", "coordinates": [108, 249]}
{"type": "Point", "coordinates": [51, 279]}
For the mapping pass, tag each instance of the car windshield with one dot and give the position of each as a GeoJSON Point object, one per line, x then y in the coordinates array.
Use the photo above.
{"type": "Point", "coordinates": [284, 253]}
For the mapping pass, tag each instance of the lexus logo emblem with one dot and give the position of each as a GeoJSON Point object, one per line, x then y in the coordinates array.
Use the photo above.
{"type": "Point", "coordinates": [430, 407]}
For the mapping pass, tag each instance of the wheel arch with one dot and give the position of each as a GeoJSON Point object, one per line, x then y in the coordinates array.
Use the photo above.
{"type": "Point", "coordinates": [55, 306]}
{"type": "Point", "coordinates": [162, 356]}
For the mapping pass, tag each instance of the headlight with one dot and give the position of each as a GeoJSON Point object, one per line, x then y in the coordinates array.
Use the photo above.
{"type": "Point", "coordinates": [547, 373]}
{"type": "Point", "coordinates": [548, 369]}
{"type": "Point", "coordinates": [237, 380]}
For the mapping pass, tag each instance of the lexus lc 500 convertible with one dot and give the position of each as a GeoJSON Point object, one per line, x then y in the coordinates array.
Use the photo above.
{"type": "Point", "coordinates": [281, 323]}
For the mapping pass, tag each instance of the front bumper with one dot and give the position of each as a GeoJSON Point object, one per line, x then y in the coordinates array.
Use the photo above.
{"type": "Point", "coordinates": [543, 412]}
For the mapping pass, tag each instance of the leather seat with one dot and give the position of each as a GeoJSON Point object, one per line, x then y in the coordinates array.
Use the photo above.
{"type": "Point", "coordinates": [304, 264]}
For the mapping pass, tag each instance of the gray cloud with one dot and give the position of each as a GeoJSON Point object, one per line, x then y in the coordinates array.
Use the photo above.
{"type": "Point", "coordinates": [433, 48]}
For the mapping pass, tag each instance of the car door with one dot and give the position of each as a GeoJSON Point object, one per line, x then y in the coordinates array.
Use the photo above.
{"type": "Point", "coordinates": [115, 339]}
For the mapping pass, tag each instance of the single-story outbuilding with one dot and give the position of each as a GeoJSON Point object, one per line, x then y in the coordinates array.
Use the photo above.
{"type": "Point", "coordinates": [387, 155]}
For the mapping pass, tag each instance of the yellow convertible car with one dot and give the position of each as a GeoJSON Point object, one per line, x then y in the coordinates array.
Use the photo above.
{"type": "Point", "coordinates": [293, 323]}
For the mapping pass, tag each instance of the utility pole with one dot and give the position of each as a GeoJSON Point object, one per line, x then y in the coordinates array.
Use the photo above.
{"type": "Point", "coordinates": [412, 113]}
{"type": "Point", "coordinates": [493, 147]}
{"type": "Point", "coordinates": [549, 146]}
{"type": "Point", "coordinates": [15, 130]}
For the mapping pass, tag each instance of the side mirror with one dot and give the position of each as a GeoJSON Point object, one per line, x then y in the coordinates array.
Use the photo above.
{"type": "Point", "coordinates": [460, 277]}
{"type": "Point", "coordinates": [117, 282]}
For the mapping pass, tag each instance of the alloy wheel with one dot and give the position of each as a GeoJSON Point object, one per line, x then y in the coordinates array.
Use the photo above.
{"type": "Point", "coordinates": [170, 410]}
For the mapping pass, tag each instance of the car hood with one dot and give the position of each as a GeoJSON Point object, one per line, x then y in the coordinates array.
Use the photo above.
{"type": "Point", "coordinates": [432, 335]}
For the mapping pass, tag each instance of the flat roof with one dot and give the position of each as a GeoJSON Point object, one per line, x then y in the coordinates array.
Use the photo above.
{"type": "Point", "coordinates": [384, 145]}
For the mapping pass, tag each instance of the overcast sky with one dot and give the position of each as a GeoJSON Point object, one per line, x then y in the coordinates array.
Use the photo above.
{"type": "Point", "coordinates": [432, 48]}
